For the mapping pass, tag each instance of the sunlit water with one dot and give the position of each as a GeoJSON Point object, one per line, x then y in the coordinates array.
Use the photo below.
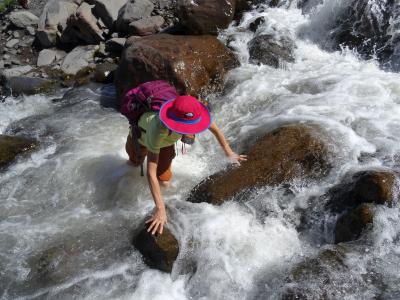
{"type": "Point", "coordinates": [77, 191]}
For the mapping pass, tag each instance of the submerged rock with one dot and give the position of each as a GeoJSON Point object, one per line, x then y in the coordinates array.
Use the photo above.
{"type": "Point", "coordinates": [265, 49]}
{"type": "Point", "coordinates": [286, 153]}
{"type": "Point", "coordinates": [159, 251]}
{"type": "Point", "coordinates": [253, 26]}
{"type": "Point", "coordinates": [206, 16]}
{"type": "Point", "coordinates": [194, 64]}
{"type": "Point", "coordinates": [12, 146]}
{"type": "Point", "coordinates": [351, 225]}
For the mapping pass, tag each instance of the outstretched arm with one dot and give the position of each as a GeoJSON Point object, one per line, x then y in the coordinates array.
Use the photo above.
{"type": "Point", "coordinates": [159, 219]}
{"type": "Point", "coordinates": [225, 145]}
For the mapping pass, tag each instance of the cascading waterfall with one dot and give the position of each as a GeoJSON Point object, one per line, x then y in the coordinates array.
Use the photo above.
{"type": "Point", "coordinates": [76, 194]}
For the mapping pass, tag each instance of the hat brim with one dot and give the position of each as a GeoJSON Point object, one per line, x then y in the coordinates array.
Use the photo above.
{"type": "Point", "coordinates": [184, 128]}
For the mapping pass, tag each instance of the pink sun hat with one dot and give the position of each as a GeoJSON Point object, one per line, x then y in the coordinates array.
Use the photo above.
{"type": "Point", "coordinates": [185, 115]}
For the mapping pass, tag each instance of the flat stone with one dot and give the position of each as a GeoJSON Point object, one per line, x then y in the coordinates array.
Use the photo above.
{"type": "Point", "coordinates": [17, 71]}
{"type": "Point", "coordinates": [147, 26]}
{"type": "Point", "coordinates": [46, 57]}
{"type": "Point", "coordinates": [78, 59]}
{"type": "Point", "coordinates": [12, 43]}
{"type": "Point", "coordinates": [23, 18]}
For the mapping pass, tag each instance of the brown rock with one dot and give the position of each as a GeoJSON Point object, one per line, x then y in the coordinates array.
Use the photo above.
{"type": "Point", "coordinates": [206, 16]}
{"type": "Point", "coordinates": [351, 225]}
{"type": "Point", "coordinates": [363, 187]}
{"type": "Point", "coordinates": [196, 65]}
{"type": "Point", "coordinates": [282, 155]}
{"type": "Point", "coordinates": [12, 146]}
{"type": "Point", "coordinates": [159, 251]}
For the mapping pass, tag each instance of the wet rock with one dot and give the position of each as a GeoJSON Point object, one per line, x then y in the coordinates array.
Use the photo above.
{"type": "Point", "coordinates": [205, 16]}
{"type": "Point", "coordinates": [147, 26]}
{"type": "Point", "coordinates": [78, 59]}
{"type": "Point", "coordinates": [133, 10]}
{"type": "Point", "coordinates": [29, 85]}
{"type": "Point", "coordinates": [351, 225]}
{"type": "Point", "coordinates": [16, 71]}
{"type": "Point", "coordinates": [115, 45]}
{"type": "Point", "coordinates": [12, 146]}
{"type": "Point", "coordinates": [311, 278]}
{"type": "Point", "coordinates": [82, 28]}
{"type": "Point", "coordinates": [363, 187]}
{"type": "Point", "coordinates": [104, 72]}
{"type": "Point", "coordinates": [286, 153]}
{"type": "Point", "coordinates": [173, 58]}
{"type": "Point", "coordinates": [53, 21]}
{"type": "Point", "coordinates": [265, 49]}
{"type": "Point", "coordinates": [23, 18]}
{"type": "Point", "coordinates": [253, 26]}
{"type": "Point", "coordinates": [159, 251]}
{"type": "Point", "coordinates": [12, 43]}
{"type": "Point", "coordinates": [107, 10]}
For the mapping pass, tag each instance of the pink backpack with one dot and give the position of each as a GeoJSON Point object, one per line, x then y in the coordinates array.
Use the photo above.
{"type": "Point", "coordinates": [148, 96]}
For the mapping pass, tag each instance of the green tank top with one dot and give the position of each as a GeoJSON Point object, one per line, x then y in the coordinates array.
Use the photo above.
{"type": "Point", "coordinates": [155, 135]}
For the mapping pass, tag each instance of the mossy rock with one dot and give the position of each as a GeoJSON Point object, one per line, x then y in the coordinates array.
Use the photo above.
{"type": "Point", "coordinates": [12, 146]}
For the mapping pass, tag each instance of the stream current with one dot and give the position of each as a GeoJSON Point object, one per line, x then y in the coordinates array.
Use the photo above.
{"type": "Point", "coordinates": [77, 189]}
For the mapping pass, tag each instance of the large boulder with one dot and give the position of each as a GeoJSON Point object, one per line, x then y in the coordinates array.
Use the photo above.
{"type": "Point", "coordinates": [372, 186]}
{"type": "Point", "coordinates": [194, 64]}
{"type": "Point", "coordinates": [53, 21]}
{"type": "Point", "coordinates": [22, 19]}
{"type": "Point", "coordinates": [133, 10]}
{"type": "Point", "coordinates": [159, 251]}
{"type": "Point", "coordinates": [12, 146]}
{"type": "Point", "coordinates": [206, 16]}
{"type": "Point", "coordinates": [108, 10]}
{"type": "Point", "coordinates": [82, 28]}
{"type": "Point", "coordinates": [265, 49]}
{"type": "Point", "coordinates": [78, 59]}
{"type": "Point", "coordinates": [286, 153]}
{"type": "Point", "coordinates": [352, 224]}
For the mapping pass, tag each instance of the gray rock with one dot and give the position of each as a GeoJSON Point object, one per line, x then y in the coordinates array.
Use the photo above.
{"type": "Point", "coordinates": [16, 34]}
{"type": "Point", "coordinates": [16, 62]}
{"type": "Point", "coordinates": [1, 64]}
{"type": "Point", "coordinates": [133, 10]}
{"type": "Point", "coordinates": [6, 56]}
{"type": "Point", "coordinates": [147, 26]}
{"type": "Point", "coordinates": [78, 59]}
{"type": "Point", "coordinates": [46, 57]}
{"type": "Point", "coordinates": [265, 49]}
{"type": "Point", "coordinates": [23, 18]}
{"type": "Point", "coordinates": [12, 43]}
{"type": "Point", "coordinates": [29, 85]}
{"type": "Point", "coordinates": [17, 71]}
{"type": "Point", "coordinates": [115, 45]}
{"type": "Point", "coordinates": [30, 30]}
{"type": "Point", "coordinates": [108, 10]}
{"type": "Point", "coordinates": [53, 21]}
{"type": "Point", "coordinates": [82, 28]}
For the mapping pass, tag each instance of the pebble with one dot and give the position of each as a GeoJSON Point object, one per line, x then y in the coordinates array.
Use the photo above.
{"type": "Point", "coordinates": [1, 64]}
{"type": "Point", "coordinates": [16, 34]}
{"type": "Point", "coordinates": [30, 30]}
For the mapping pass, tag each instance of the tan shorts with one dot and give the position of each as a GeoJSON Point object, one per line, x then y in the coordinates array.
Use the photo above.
{"type": "Point", "coordinates": [165, 158]}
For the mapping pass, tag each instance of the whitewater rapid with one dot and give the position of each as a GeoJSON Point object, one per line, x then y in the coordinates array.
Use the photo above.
{"type": "Point", "coordinates": [77, 188]}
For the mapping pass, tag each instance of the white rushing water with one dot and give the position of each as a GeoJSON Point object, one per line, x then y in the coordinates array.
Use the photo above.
{"type": "Point", "coordinates": [77, 197]}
